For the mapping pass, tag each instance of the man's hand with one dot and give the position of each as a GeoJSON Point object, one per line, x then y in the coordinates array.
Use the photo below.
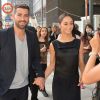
{"type": "Point", "coordinates": [40, 82]}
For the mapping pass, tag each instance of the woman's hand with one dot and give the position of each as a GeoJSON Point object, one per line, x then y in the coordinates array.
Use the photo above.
{"type": "Point", "coordinates": [43, 49]}
{"type": "Point", "coordinates": [81, 84]}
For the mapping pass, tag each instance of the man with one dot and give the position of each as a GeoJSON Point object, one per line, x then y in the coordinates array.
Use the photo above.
{"type": "Point", "coordinates": [38, 28]}
{"type": "Point", "coordinates": [54, 33]}
{"type": "Point", "coordinates": [19, 53]}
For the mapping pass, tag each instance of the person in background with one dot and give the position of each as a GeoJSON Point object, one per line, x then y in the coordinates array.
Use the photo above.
{"type": "Point", "coordinates": [43, 42]}
{"type": "Point", "coordinates": [87, 36]}
{"type": "Point", "coordinates": [54, 33]}
{"type": "Point", "coordinates": [38, 28]}
{"type": "Point", "coordinates": [66, 55]}
{"type": "Point", "coordinates": [19, 52]}
{"type": "Point", "coordinates": [49, 31]}
{"type": "Point", "coordinates": [44, 46]}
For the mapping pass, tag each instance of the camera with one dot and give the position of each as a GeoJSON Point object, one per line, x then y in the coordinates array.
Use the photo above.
{"type": "Point", "coordinates": [91, 34]}
{"type": "Point", "coordinates": [96, 31]}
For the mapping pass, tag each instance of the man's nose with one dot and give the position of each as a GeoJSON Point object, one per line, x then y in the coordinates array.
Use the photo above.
{"type": "Point", "coordinates": [22, 18]}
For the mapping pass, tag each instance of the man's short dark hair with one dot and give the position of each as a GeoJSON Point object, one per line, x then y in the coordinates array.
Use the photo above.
{"type": "Point", "coordinates": [24, 6]}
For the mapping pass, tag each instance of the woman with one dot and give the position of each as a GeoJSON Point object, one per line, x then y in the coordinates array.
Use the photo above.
{"type": "Point", "coordinates": [86, 38]}
{"type": "Point", "coordinates": [65, 56]}
{"type": "Point", "coordinates": [92, 72]}
{"type": "Point", "coordinates": [43, 42]}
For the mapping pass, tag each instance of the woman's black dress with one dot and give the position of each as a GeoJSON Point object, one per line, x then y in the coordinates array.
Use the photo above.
{"type": "Point", "coordinates": [66, 75]}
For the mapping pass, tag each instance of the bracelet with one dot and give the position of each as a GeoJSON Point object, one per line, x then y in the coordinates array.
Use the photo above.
{"type": "Point", "coordinates": [93, 53]}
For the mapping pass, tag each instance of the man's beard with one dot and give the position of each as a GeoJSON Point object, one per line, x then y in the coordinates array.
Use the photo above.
{"type": "Point", "coordinates": [21, 26]}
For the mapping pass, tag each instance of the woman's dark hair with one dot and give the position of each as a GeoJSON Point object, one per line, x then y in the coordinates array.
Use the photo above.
{"type": "Point", "coordinates": [85, 36]}
{"type": "Point", "coordinates": [88, 25]}
{"type": "Point", "coordinates": [46, 38]}
{"type": "Point", "coordinates": [62, 16]}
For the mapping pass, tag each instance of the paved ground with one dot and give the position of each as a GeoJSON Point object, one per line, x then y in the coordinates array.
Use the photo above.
{"type": "Point", "coordinates": [85, 93]}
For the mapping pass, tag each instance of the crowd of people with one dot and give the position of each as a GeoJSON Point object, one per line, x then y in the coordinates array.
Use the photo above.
{"type": "Point", "coordinates": [74, 58]}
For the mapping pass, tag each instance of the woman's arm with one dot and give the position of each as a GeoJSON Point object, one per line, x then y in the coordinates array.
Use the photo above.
{"type": "Point", "coordinates": [51, 66]}
{"type": "Point", "coordinates": [81, 60]}
{"type": "Point", "coordinates": [91, 73]}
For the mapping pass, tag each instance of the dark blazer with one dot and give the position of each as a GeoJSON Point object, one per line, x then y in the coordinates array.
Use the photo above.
{"type": "Point", "coordinates": [8, 57]}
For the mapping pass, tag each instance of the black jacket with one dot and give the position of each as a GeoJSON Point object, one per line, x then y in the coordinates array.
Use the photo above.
{"type": "Point", "coordinates": [8, 57]}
